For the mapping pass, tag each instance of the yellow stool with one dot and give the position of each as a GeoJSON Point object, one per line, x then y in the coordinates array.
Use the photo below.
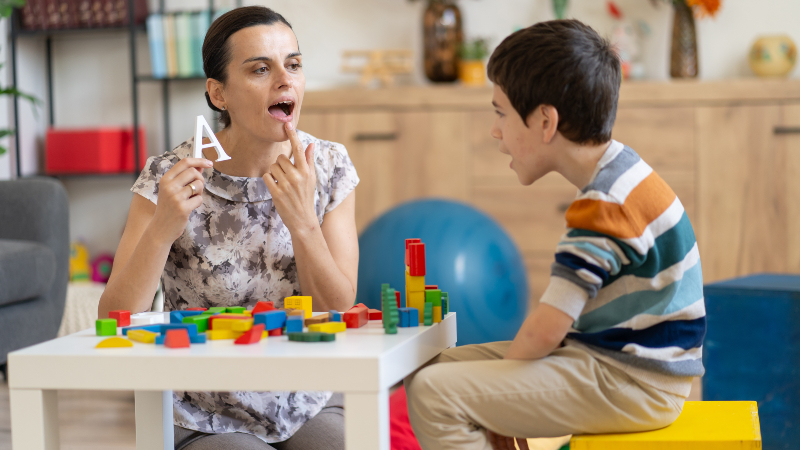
{"type": "Point", "coordinates": [701, 426]}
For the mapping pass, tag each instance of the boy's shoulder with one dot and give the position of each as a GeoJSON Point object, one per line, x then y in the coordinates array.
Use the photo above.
{"type": "Point", "coordinates": [619, 171]}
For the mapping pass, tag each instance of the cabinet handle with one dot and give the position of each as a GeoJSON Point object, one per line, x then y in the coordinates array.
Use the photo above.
{"type": "Point", "coordinates": [375, 137]}
{"type": "Point", "coordinates": [786, 130]}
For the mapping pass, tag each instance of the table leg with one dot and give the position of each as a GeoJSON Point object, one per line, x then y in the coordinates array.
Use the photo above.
{"type": "Point", "coordinates": [366, 420]}
{"type": "Point", "coordinates": [154, 429]}
{"type": "Point", "coordinates": [34, 419]}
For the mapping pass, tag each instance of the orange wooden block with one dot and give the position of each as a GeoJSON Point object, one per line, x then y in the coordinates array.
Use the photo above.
{"type": "Point", "coordinates": [252, 336]}
{"type": "Point", "coordinates": [177, 338]}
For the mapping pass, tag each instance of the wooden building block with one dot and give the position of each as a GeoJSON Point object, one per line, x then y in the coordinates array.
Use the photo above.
{"type": "Point", "coordinates": [189, 327]}
{"type": "Point", "coordinates": [375, 314]}
{"type": "Point", "coordinates": [320, 318]}
{"type": "Point", "coordinates": [329, 327]}
{"type": "Point", "coordinates": [416, 300]}
{"type": "Point", "coordinates": [302, 302]}
{"type": "Point", "coordinates": [212, 319]}
{"type": "Point", "coordinates": [123, 317]}
{"type": "Point", "coordinates": [437, 314]}
{"type": "Point", "coordinates": [312, 337]}
{"type": "Point", "coordinates": [241, 325]}
{"type": "Point", "coordinates": [271, 319]}
{"type": "Point", "coordinates": [415, 284]}
{"type": "Point", "coordinates": [275, 332]}
{"type": "Point", "coordinates": [294, 324]}
{"type": "Point", "coordinates": [409, 242]}
{"type": "Point", "coordinates": [701, 426]}
{"type": "Point", "coordinates": [215, 335]}
{"type": "Point", "coordinates": [416, 259]}
{"type": "Point", "coordinates": [201, 321]}
{"type": "Point", "coordinates": [251, 336]}
{"type": "Point", "coordinates": [177, 338]}
{"type": "Point", "coordinates": [216, 310]}
{"type": "Point", "coordinates": [427, 314]}
{"type": "Point", "coordinates": [235, 309]}
{"type": "Point", "coordinates": [143, 336]}
{"type": "Point", "coordinates": [433, 296]}
{"type": "Point", "coordinates": [114, 342]}
{"type": "Point", "coordinates": [106, 327]}
{"type": "Point", "coordinates": [155, 328]}
{"type": "Point", "coordinates": [262, 307]}
{"type": "Point", "coordinates": [295, 312]}
{"type": "Point", "coordinates": [357, 316]}
{"type": "Point", "coordinates": [196, 309]}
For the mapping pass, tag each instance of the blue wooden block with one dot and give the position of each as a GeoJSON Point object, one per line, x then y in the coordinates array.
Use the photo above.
{"type": "Point", "coordinates": [191, 328]}
{"type": "Point", "coordinates": [336, 316]}
{"type": "Point", "coordinates": [199, 338]}
{"type": "Point", "coordinates": [752, 351]}
{"type": "Point", "coordinates": [177, 316]}
{"type": "Point", "coordinates": [413, 317]}
{"type": "Point", "coordinates": [404, 317]}
{"type": "Point", "coordinates": [151, 328]}
{"type": "Point", "coordinates": [272, 320]}
{"type": "Point", "coordinates": [294, 324]}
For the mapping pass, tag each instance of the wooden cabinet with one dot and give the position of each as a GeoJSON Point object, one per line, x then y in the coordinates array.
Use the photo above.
{"type": "Point", "coordinates": [714, 143]}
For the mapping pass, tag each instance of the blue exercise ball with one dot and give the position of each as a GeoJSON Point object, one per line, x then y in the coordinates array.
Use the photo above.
{"type": "Point", "coordinates": [467, 254]}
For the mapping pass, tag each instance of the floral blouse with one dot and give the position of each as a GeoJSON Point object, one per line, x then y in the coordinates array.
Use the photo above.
{"type": "Point", "coordinates": [236, 251]}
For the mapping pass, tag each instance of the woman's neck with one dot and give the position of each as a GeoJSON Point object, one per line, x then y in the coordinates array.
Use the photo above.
{"type": "Point", "coordinates": [250, 157]}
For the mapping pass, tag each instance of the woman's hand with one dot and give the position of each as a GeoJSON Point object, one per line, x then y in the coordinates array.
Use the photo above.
{"type": "Point", "coordinates": [176, 197]}
{"type": "Point", "coordinates": [504, 442]}
{"type": "Point", "coordinates": [292, 185]}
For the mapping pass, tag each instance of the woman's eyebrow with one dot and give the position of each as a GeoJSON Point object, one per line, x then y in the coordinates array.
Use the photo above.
{"type": "Point", "coordinates": [268, 59]}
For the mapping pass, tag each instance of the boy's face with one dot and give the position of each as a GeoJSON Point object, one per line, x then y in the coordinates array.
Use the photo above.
{"type": "Point", "coordinates": [530, 156]}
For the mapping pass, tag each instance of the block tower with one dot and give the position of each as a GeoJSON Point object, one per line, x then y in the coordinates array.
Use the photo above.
{"type": "Point", "coordinates": [415, 276]}
{"type": "Point", "coordinates": [391, 317]}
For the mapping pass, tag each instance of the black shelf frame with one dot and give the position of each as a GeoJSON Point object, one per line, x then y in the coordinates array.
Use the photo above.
{"type": "Point", "coordinates": [133, 29]}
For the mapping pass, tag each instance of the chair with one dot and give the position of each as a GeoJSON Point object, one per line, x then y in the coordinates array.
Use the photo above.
{"type": "Point", "coordinates": [34, 261]}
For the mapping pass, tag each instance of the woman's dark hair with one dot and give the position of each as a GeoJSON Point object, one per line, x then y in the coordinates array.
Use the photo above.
{"type": "Point", "coordinates": [565, 64]}
{"type": "Point", "coordinates": [216, 51]}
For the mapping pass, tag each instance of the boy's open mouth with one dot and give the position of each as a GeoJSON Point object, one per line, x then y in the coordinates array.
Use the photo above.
{"type": "Point", "coordinates": [282, 110]}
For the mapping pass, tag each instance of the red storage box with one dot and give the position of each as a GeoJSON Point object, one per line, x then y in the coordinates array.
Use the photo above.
{"type": "Point", "coordinates": [100, 150]}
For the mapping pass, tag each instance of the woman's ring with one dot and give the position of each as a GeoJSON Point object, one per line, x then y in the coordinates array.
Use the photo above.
{"type": "Point", "coordinates": [194, 190]}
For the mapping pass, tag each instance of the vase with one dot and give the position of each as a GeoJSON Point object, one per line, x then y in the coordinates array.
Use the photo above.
{"type": "Point", "coordinates": [683, 61]}
{"type": "Point", "coordinates": [442, 40]}
{"type": "Point", "coordinates": [472, 73]}
{"type": "Point", "coordinates": [773, 56]}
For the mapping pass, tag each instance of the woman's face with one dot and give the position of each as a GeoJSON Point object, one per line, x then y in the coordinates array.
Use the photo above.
{"type": "Point", "coordinates": [265, 83]}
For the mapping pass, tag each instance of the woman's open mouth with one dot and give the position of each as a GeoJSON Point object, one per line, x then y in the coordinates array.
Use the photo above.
{"type": "Point", "coordinates": [282, 111]}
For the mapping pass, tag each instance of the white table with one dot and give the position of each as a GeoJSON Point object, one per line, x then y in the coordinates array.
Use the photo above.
{"type": "Point", "coordinates": [362, 363]}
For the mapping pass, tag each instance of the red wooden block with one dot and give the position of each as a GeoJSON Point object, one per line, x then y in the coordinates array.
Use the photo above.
{"type": "Point", "coordinates": [123, 317]}
{"type": "Point", "coordinates": [409, 242]}
{"type": "Point", "coordinates": [97, 150]}
{"type": "Point", "coordinates": [224, 316]}
{"type": "Point", "coordinates": [196, 309]}
{"type": "Point", "coordinates": [375, 314]}
{"type": "Point", "coordinates": [263, 306]}
{"type": "Point", "coordinates": [177, 338]}
{"type": "Point", "coordinates": [275, 332]}
{"type": "Point", "coordinates": [431, 286]}
{"type": "Point", "coordinates": [251, 336]}
{"type": "Point", "coordinates": [397, 296]}
{"type": "Point", "coordinates": [357, 316]}
{"type": "Point", "coordinates": [416, 260]}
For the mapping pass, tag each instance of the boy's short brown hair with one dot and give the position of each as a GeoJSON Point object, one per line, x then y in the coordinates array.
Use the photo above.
{"type": "Point", "coordinates": [565, 64]}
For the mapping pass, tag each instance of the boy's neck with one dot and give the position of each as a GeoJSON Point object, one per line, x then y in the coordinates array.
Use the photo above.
{"type": "Point", "coordinates": [577, 162]}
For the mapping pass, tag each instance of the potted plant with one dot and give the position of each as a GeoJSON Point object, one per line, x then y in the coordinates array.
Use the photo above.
{"type": "Point", "coordinates": [471, 70]}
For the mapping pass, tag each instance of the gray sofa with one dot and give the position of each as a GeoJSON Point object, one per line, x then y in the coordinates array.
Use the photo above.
{"type": "Point", "coordinates": [34, 261]}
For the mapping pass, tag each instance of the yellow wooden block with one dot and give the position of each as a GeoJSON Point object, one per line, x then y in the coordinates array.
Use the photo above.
{"type": "Point", "coordinates": [240, 325]}
{"type": "Point", "coordinates": [299, 302]}
{"type": "Point", "coordinates": [701, 426]}
{"type": "Point", "coordinates": [328, 327]}
{"type": "Point", "coordinates": [215, 334]}
{"type": "Point", "coordinates": [415, 284]}
{"type": "Point", "coordinates": [416, 300]}
{"type": "Point", "coordinates": [114, 342]}
{"type": "Point", "coordinates": [232, 324]}
{"type": "Point", "coordinates": [143, 336]}
{"type": "Point", "coordinates": [437, 314]}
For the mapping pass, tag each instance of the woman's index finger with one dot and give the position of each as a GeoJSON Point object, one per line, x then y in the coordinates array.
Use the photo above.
{"type": "Point", "coordinates": [297, 146]}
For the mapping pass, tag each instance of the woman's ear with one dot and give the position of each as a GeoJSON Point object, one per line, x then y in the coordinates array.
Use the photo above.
{"type": "Point", "coordinates": [549, 122]}
{"type": "Point", "coordinates": [214, 89]}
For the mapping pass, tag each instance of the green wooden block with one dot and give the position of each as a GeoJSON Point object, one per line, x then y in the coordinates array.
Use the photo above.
{"type": "Point", "coordinates": [235, 309]}
{"type": "Point", "coordinates": [445, 304]}
{"type": "Point", "coordinates": [427, 314]}
{"type": "Point", "coordinates": [106, 327]}
{"type": "Point", "coordinates": [216, 310]}
{"type": "Point", "coordinates": [391, 330]}
{"type": "Point", "coordinates": [312, 337]}
{"type": "Point", "coordinates": [433, 296]}
{"type": "Point", "coordinates": [201, 321]}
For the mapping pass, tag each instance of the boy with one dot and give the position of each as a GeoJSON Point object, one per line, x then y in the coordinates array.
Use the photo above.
{"type": "Point", "coordinates": [617, 337]}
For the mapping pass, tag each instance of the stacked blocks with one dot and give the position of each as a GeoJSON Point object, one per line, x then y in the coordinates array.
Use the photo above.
{"type": "Point", "coordinates": [415, 275]}
{"type": "Point", "coordinates": [312, 337]}
{"type": "Point", "coordinates": [123, 317]}
{"type": "Point", "coordinates": [357, 316]}
{"type": "Point", "coordinates": [201, 321]}
{"type": "Point", "coordinates": [409, 317]}
{"type": "Point", "coordinates": [299, 302]}
{"type": "Point", "coordinates": [262, 307]}
{"type": "Point", "coordinates": [271, 319]}
{"type": "Point", "coordinates": [445, 304]}
{"type": "Point", "coordinates": [389, 302]}
{"type": "Point", "coordinates": [294, 324]}
{"type": "Point", "coordinates": [177, 338]}
{"type": "Point", "coordinates": [106, 327]}
{"type": "Point", "coordinates": [178, 316]}
{"type": "Point", "coordinates": [398, 299]}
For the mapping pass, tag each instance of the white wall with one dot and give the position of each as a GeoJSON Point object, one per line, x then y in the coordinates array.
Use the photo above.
{"type": "Point", "coordinates": [92, 75]}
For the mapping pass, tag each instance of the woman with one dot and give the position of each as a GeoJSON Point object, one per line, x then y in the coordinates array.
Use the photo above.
{"type": "Point", "coordinates": [275, 220]}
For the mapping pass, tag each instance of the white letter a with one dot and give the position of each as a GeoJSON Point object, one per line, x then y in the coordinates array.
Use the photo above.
{"type": "Point", "coordinates": [198, 140]}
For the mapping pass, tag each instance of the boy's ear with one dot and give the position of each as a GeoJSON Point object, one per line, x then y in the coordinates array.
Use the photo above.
{"type": "Point", "coordinates": [549, 122]}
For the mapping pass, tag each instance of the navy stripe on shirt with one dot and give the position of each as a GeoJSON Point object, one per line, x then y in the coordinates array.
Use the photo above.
{"type": "Point", "coordinates": [576, 263]}
{"type": "Point", "coordinates": [686, 334]}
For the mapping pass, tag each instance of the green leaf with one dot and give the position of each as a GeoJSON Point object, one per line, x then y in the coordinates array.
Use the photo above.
{"type": "Point", "coordinates": [6, 132]}
{"type": "Point", "coordinates": [2, 150]}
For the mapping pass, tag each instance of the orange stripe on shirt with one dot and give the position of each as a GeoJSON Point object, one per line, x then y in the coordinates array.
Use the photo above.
{"type": "Point", "coordinates": [645, 203]}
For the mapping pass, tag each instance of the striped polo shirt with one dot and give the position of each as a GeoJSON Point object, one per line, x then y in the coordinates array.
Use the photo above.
{"type": "Point", "coordinates": [628, 270]}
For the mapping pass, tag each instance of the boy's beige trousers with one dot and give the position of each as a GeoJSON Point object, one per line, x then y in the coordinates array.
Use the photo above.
{"type": "Point", "coordinates": [466, 390]}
